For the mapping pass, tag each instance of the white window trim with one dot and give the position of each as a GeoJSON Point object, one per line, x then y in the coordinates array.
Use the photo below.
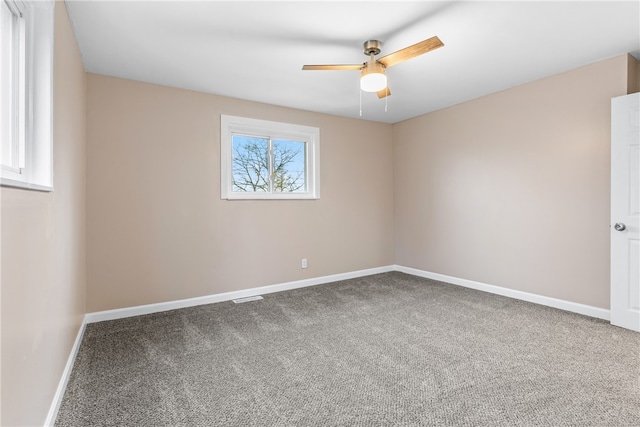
{"type": "Point", "coordinates": [37, 173]}
{"type": "Point", "coordinates": [230, 125]}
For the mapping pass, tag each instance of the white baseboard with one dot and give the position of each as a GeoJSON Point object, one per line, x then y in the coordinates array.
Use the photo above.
{"type": "Point", "coordinates": [62, 385]}
{"type": "Point", "coordinates": [573, 307]}
{"type": "Point", "coordinates": [120, 313]}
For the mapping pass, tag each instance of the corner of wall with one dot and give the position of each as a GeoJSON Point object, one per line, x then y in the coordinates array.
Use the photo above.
{"type": "Point", "coordinates": [633, 74]}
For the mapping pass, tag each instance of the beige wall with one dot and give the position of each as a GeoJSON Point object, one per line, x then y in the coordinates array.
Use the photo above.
{"type": "Point", "coordinates": [158, 230]}
{"type": "Point", "coordinates": [637, 86]}
{"type": "Point", "coordinates": [512, 189]}
{"type": "Point", "coordinates": [43, 254]}
{"type": "Point", "coordinates": [633, 75]}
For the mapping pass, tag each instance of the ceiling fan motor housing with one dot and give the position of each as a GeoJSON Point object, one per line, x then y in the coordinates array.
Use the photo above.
{"type": "Point", "coordinates": [372, 47]}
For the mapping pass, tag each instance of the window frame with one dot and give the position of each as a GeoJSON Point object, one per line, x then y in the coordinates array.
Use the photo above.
{"type": "Point", "coordinates": [230, 125]}
{"type": "Point", "coordinates": [32, 108]}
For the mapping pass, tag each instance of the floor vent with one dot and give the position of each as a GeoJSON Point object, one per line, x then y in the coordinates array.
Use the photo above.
{"type": "Point", "coordinates": [247, 299]}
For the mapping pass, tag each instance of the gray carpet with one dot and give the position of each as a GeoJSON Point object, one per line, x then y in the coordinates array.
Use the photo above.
{"type": "Point", "coordinates": [383, 350]}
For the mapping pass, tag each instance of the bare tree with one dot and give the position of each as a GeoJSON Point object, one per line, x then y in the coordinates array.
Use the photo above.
{"type": "Point", "coordinates": [251, 166]}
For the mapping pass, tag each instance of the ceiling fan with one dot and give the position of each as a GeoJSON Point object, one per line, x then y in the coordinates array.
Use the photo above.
{"type": "Point", "coordinates": [373, 78]}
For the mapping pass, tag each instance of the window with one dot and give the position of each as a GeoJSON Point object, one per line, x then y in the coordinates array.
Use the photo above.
{"type": "Point", "coordinates": [268, 160]}
{"type": "Point", "coordinates": [26, 70]}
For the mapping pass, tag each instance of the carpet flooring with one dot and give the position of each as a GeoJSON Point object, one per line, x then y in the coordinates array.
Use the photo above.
{"type": "Point", "coordinates": [384, 350]}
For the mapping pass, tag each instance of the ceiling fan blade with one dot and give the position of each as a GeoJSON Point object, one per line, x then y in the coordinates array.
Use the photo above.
{"type": "Point", "coordinates": [411, 51]}
{"type": "Point", "coordinates": [333, 67]}
{"type": "Point", "coordinates": [384, 92]}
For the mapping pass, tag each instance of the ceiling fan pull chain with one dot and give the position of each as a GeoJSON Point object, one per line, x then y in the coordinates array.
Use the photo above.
{"type": "Point", "coordinates": [386, 99]}
{"type": "Point", "coordinates": [360, 92]}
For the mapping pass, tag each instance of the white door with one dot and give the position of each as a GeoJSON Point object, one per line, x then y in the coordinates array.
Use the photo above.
{"type": "Point", "coordinates": [625, 211]}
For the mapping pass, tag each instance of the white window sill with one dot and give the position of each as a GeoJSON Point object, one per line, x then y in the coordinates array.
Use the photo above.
{"type": "Point", "coordinates": [6, 182]}
{"type": "Point", "coordinates": [270, 196]}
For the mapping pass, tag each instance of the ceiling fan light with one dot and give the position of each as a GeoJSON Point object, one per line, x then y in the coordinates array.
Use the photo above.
{"type": "Point", "coordinates": [373, 82]}
{"type": "Point", "coordinates": [373, 78]}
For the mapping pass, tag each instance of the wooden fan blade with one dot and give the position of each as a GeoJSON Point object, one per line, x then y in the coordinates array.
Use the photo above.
{"type": "Point", "coordinates": [384, 92]}
{"type": "Point", "coordinates": [333, 67]}
{"type": "Point", "coordinates": [411, 51]}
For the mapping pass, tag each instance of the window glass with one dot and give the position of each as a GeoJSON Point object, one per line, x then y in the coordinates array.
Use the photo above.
{"type": "Point", "coordinates": [7, 64]}
{"type": "Point", "coordinates": [289, 171]}
{"type": "Point", "coordinates": [250, 163]}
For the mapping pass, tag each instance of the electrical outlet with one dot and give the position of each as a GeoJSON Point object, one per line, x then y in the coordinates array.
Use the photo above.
{"type": "Point", "coordinates": [304, 263]}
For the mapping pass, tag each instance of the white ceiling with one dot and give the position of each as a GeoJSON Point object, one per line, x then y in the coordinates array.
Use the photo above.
{"type": "Point", "coordinates": [255, 50]}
